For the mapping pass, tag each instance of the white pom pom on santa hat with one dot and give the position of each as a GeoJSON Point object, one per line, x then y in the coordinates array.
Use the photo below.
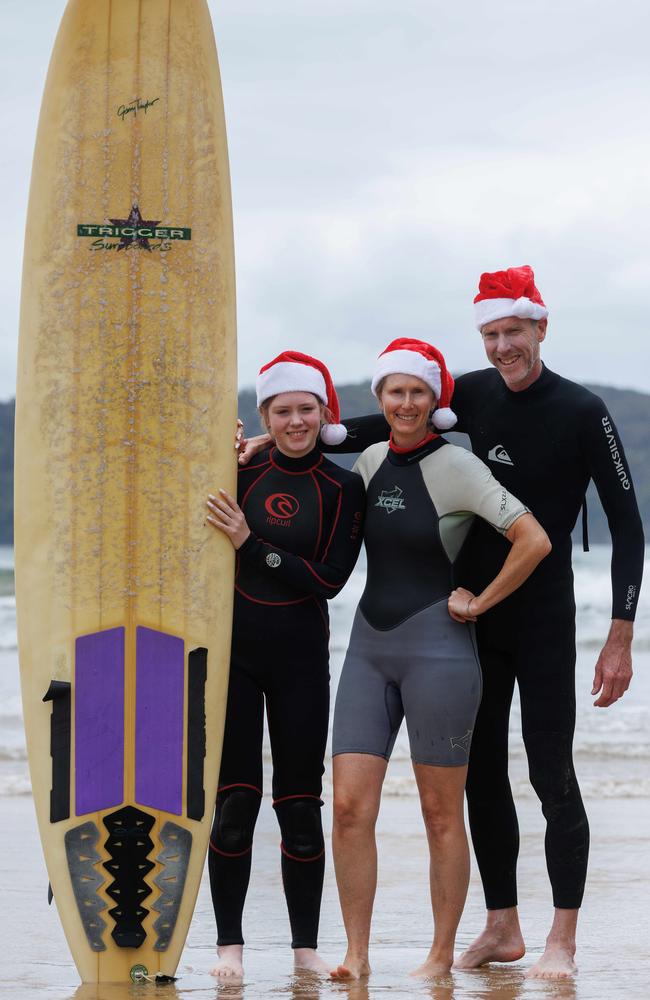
{"type": "Point", "coordinates": [293, 371]}
{"type": "Point", "coordinates": [406, 356]}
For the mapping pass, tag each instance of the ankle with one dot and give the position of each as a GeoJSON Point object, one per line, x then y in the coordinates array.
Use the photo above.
{"type": "Point", "coordinates": [556, 939]}
{"type": "Point", "coordinates": [358, 953]}
{"type": "Point", "coordinates": [440, 954]}
{"type": "Point", "coordinates": [503, 920]}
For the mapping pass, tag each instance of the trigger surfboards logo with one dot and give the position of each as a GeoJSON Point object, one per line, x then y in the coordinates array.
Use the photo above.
{"type": "Point", "coordinates": [132, 233]}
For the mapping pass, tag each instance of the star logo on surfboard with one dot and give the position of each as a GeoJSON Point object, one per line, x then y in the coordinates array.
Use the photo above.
{"type": "Point", "coordinates": [136, 223]}
{"type": "Point", "coordinates": [133, 231]}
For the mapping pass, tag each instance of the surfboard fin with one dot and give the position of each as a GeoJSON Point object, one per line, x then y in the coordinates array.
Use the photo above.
{"type": "Point", "coordinates": [50, 894]}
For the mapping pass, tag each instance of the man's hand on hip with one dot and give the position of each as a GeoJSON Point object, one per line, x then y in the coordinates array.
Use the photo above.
{"type": "Point", "coordinates": [614, 667]}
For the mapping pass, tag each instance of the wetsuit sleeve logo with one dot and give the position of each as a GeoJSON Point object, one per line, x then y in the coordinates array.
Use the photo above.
{"type": "Point", "coordinates": [273, 560]}
{"type": "Point", "coordinates": [630, 600]}
{"type": "Point", "coordinates": [614, 452]}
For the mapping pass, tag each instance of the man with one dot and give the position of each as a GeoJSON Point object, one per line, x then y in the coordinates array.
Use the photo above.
{"type": "Point", "coordinates": [544, 438]}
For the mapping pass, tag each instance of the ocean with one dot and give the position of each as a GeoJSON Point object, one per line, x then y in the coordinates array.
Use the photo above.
{"type": "Point", "coordinates": [612, 755]}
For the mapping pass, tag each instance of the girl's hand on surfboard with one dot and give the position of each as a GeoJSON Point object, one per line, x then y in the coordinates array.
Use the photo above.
{"type": "Point", "coordinates": [251, 446]}
{"type": "Point", "coordinates": [240, 440]}
{"type": "Point", "coordinates": [227, 516]}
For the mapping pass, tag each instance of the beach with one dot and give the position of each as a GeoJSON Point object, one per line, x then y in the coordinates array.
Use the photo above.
{"type": "Point", "coordinates": [612, 757]}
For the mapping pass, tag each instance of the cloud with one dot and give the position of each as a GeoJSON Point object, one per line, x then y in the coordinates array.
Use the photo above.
{"type": "Point", "coordinates": [383, 155]}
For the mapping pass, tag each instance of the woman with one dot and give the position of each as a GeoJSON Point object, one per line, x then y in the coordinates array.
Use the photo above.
{"type": "Point", "coordinates": [296, 526]}
{"type": "Point", "coordinates": [411, 651]}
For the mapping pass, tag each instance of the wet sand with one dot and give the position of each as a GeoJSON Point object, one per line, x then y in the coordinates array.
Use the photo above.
{"type": "Point", "coordinates": [613, 947]}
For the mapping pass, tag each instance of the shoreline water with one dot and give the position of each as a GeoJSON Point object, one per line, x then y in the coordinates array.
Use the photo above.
{"type": "Point", "coordinates": [613, 950]}
{"type": "Point", "coordinates": [612, 756]}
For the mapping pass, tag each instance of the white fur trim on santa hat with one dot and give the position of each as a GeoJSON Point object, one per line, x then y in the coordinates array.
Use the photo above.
{"type": "Point", "coordinates": [488, 310]}
{"type": "Point", "coordinates": [290, 376]}
{"type": "Point", "coordinates": [406, 363]}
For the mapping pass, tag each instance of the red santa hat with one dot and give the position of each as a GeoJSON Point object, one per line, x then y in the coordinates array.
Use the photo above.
{"type": "Point", "coordinates": [292, 371]}
{"type": "Point", "coordinates": [406, 356]}
{"type": "Point", "coordinates": [508, 293]}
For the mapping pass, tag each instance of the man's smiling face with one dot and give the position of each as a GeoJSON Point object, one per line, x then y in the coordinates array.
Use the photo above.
{"type": "Point", "coordinates": [512, 346]}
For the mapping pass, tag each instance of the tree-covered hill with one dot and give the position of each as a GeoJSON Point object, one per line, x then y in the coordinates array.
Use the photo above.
{"type": "Point", "coordinates": [630, 411]}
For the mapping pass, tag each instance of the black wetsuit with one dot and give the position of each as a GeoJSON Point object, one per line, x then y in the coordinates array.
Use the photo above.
{"type": "Point", "coordinates": [544, 445]}
{"type": "Point", "coordinates": [306, 519]}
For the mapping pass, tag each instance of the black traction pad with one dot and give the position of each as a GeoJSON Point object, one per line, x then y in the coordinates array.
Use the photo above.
{"type": "Point", "coordinates": [59, 694]}
{"type": "Point", "coordinates": [82, 855]}
{"type": "Point", "coordinates": [197, 676]}
{"type": "Point", "coordinates": [174, 857]}
{"type": "Point", "coordinates": [129, 846]}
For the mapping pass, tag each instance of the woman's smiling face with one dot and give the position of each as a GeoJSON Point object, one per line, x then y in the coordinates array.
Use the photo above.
{"type": "Point", "coordinates": [406, 402]}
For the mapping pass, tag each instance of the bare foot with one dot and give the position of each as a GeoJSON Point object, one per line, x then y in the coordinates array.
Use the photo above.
{"type": "Point", "coordinates": [433, 967]}
{"type": "Point", "coordinates": [352, 968]}
{"type": "Point", "coordinates": [308, 960]}
{"type": "Point", "coordinates": [498, 942]}
{"type": "Point", "coordinates": [556, 963]}
{"type": "Point", "coordinates": [230, 961]}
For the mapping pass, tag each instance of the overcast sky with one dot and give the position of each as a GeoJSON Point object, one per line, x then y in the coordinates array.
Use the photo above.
{"type": "Point", "coordinates": [384, 153]}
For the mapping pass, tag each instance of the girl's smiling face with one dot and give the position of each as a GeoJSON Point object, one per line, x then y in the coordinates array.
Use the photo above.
{"type": "Point", "coordinates": [294, 420]}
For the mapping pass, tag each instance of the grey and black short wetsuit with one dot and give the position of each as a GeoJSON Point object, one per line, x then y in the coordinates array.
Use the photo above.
{"type": "Point", "coordinates": [407, 657]}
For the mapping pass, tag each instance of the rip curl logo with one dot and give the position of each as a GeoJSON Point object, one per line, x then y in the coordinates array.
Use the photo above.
{"type": "Point", "coordinates": [499, 454]}
{"type": "Point", "coordinates": [281, 505]}
{"type": "Point", "coordinates": [461, 742]}
{"type": "Point", "coordinates": [615, 453]}
{"type": "Point", "coordinates": [132, 233]}
{"type": "Point", "coordinates": [391, 500]}
{"type": "Point", "coordinates": [273, 560]}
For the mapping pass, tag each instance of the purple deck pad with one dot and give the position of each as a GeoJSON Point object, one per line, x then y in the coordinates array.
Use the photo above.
{"type": "Point", "coordinates": [99, 720]}
{"type": "Point", "coordinates": [160, 687]}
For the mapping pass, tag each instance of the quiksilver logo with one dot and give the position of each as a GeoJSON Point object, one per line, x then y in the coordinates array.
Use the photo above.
{"type": "Point", "coordinates": [391, 500]}
{"type": "Point", "coordinates": [615, 453]}
{"type": "Point", "coordinates": [499, 454]}
{"type": "Point", "coordinates": [631, 596]}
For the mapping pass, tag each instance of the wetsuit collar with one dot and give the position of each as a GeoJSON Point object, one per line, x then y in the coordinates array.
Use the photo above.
{"type": "Point", "coordinates": [404, 456]}
{"type": "Point", "coordinates": [296, 466]}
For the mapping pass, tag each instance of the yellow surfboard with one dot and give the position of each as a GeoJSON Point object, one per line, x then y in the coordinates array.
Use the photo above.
{"type": "Point", "coordinates": [125, 411]}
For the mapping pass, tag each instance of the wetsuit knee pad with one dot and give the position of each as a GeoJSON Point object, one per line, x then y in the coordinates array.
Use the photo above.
{"type": "Point", "coordinates": [550, 766]}
{"type": "Point", "coordinates": [302, 828]}
{"type": "Point", "coordinates": [234, 819]}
